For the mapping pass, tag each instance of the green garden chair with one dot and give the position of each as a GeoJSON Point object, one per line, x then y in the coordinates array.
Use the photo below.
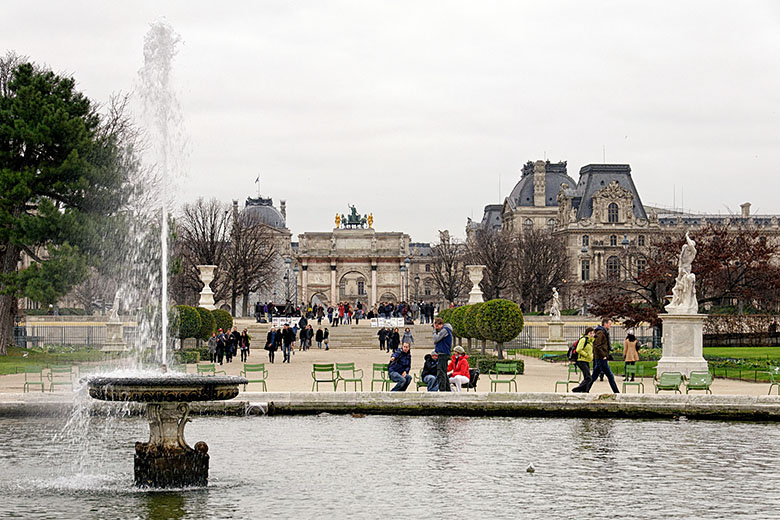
{"type": "Point", "coordinates": [60, 375]}
{"type": "Point", "coordinates": [323, 373]}
{"type": "Point", "coordinates": [208, 369]}
{"type": "Point", "coordinates": [774, 379]}
{"type": "Point", "coordinates": [636, 373]}
{"type": "Point", "coordinates": [33, 376]}
{"type": "Point", "coordinates": [347, 373]}
{"type": "Point", "coordinates": [572, 378]}
{"type": "Point", "coordinates": [504, 373]}
{"type": "Point", "coordinates": [255, 373]}
{"type": "Point", "coordinates": [380, 375]}
{"type": "Point", "coordinates": [699, 381]}
{"type": "Point", "coordinates": [668, 381]}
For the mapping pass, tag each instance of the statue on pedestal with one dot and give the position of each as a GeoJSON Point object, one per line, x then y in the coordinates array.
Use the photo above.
{"type": "Point", "coordinates": [684, 292]}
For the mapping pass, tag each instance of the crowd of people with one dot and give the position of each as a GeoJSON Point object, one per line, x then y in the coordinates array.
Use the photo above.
{"type": "Point", "coordinates": [286, 336]}
{"type": "Point", "coordinates": [223, 346]}
{"type": "Point", "coordinates": [345, 313]}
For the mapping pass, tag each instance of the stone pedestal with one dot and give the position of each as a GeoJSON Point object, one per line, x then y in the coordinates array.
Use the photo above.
{"type": "Point", "coordinates": [682, 344]}
{"type": "Point", "coordinates": [555, 339]}
{"type": "Point", "coordinates": [166, 461]}
{"type": "Point", "coordinates": [475, 275]}
{"type": "Point", "coordinates": [115, 340]}
{"type": "Point", "coordinates": [206, 295]}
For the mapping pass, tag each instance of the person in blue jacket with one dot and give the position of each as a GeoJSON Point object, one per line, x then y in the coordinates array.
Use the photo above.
{"type": "Point", "coordinates": [399, 367]}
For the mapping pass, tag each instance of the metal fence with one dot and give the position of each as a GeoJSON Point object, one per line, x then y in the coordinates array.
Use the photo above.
{"type": "Point", "coordinates": [33, 336]}
{"type": "Point", "coordinates": [535, 334]}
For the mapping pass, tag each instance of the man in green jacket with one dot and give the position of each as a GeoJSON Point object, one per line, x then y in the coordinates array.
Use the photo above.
{"type": "Point", "coordinates": [584, 357]}
{"type": "Point", "coordinates": [601, 354]}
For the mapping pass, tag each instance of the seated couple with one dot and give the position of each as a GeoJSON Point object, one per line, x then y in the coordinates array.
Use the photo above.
{"type": "Point", "coordinates": [457, 370]}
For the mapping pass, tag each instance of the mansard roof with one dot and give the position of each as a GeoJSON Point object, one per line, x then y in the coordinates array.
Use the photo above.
{"type": "Point", "coordinates": [555, 175]}
{"type": "Point", "coordinates": [595, 177]}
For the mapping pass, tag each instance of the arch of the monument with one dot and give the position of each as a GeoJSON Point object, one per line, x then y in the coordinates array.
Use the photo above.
{"type": "Point", "coordinates": [388, 297]}
{"type": "Point", "coordinates": [353, 285]}
{"type": "Point", "coordinates": [319, 298]}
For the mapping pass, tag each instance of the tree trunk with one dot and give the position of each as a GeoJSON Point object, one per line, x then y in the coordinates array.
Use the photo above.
{"type": "Point", "coordinates": [233, 295]}
{"type": "Point", "coordinates": [469, 345]}
{"type": "Point", "coordinates": [484, 346]}
{"type": "Point", "coordinates": [245, 303]}
{"type": "Point", "coordinates": [500, 348]}
{"type": "Point", "coordinates": [7, 314]}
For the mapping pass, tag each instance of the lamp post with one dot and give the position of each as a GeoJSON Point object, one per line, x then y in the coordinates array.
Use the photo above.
{"type": "Point", "coordinates": [287, 262]}
{"type": "Point", "coordinates": [406, 263]}
{"type": "Point", "coordinates": [584, 252]}
{"type": "Point", "coordinates": [403, 274]}
{"type": "Point", "coordinates": [416, 287]}
{"type": "Point", "coordinates": [295, 271]}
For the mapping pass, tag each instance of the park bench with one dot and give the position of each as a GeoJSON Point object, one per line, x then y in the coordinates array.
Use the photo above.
{"type": "Point", "coordinates": [347, 373]}
{"type": "Point", "coordinates": [572, 377]}
{"type": "Point", "coordinates": [637, 374]}
{"type": "Point", "coordinates": [60, 375]}
{"type": "Point", "coordinates": [208, 369]}
{"type": "Point", "coordinates": [33, 376]}
{"type": "Point", "coordinates": [255, 373]}
{"type": "Point", "coordinates": [323, 373]}
{"type": "Point", "coordinates": [380, 375]}
{"type": "Point", "coordinates": [504, 373]}
{"type": "Point", "coordinates": [774, 379]}
{"type": "Point", "coordinates": [668, 381]}
{"type": "Point", "coordinates": [699, 381]}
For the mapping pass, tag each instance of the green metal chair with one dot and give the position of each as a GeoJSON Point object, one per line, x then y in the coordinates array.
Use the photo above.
{"type": "Point", "coordinates": [504, 373]}
{"type": "Point", "coordinates": [347, 373]}
{"type": "Point", "coordinates": [668, 381]}
{"type": "Point", "coordinates": [572, 378]}
{"type": "Point", "coordinates": [699, 381]}
{"type": "Point", "coordinates": [257, 372]}
{"type": "Point", "coordinates": [380, 375]}
{"type": "Point", "coordinates": [323, 373]}
{"type": "Point", "coordinates": [208, 369]}
{"type": "Point", "coordinates": [60, 375]}
{"type": "Point", "coordinates": [634, 375]}
{"type": "Point", "coordinates": [774, 379]}
{"type": "Point", "coordinates": [33, 376]}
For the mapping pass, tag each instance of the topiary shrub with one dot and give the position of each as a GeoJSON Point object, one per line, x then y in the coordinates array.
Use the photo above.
{"type": "Point", "coordinates": [445, 315]}
{"type": "Point", "coordinates": [470, 323]}
{"type": "Point", "coordinates": [456, 320]}
{"type": "Point", "coordinates": [500, 321]}
{"type": "Point", "coordinates": [185, 322]}
{"type": "Point", "coordinates": [207, 324]}
{"type": "Point", "coordinates": [184, 357]}
{"type": "Point", "coordinates": [223, 318]}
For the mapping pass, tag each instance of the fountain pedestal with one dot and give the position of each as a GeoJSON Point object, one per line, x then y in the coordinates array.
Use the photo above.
{"type": "Point", "coordinates": [167, 461]}
{"type": "Point", "coordinates": [682, 344]}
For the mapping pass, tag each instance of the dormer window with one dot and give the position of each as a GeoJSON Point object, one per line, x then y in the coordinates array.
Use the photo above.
{"type": "Point", "coordinates": [612, 213]}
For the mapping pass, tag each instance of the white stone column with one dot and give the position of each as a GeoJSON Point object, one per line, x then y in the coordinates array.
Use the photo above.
{"type": "Point", "coordinates": [206, 295]}
{"type": "Point", "coordinates": [373, 283]}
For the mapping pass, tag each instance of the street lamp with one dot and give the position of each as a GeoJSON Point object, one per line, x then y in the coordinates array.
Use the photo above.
{"type": "Point", "coordinates": [406, 263]}
{"type": "Point", "coordinates": [416, 287]}
{"type": "Point", "coordinates": [287, 262]}
{"type": "Point", "coordinates": [584, 252]}
{"type": "Point", "coordinates": [403, 273]}
{"type": "Point", "coordinates": [295, 271]}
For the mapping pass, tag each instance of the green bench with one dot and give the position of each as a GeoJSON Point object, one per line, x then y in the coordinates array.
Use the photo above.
{"type": "Point", "coordinates": [60, 375]}
{"type": "Point", "coordinates": [634, 377]}
{"type": "Point", "coordinates": [668, 381]}
{"type": "Point", "coordinates": [255, 373]}
{"type": "Point", "coordinates": [33, 376]}
{"type": "Point", "coordinates": [208, 369]}
{"type": "Point", "coordinates": [572, 377]}
{"type": "Point", "coordinates": [347, 373]}
{"type": "Point", "coordinates": [699, 381]}
{"type": "Point", "coordinates": [504, 373]}
{"type": "Point", "coordinates": [323, 373]}
{"type": "Point", "coordinates": [380, 375]}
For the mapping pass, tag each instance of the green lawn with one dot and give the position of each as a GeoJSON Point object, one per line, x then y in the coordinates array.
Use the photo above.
{"type": "Point", "coordinates": [744, 352]}
{"type": "Point", "coordinates": [16, 360]}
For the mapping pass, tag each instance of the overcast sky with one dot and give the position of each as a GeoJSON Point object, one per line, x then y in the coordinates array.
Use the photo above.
{"type": "Point", "coordinates": [418, 110]}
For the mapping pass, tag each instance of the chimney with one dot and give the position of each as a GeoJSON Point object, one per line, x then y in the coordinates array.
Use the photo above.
{"type": "Point", "coordinates": [540, 180]}
{"type": "Point", "coordinates": [283, 209]}
{"type": "Point", "coordinates": [745, 209]}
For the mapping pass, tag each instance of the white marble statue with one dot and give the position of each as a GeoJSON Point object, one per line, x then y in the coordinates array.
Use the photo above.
{"type": "Point", "coordinates": [684, 291]}
{"type": "Point", "coordinates": [555, 308]}
{"type": "Point", "coordinates": [113, 315]}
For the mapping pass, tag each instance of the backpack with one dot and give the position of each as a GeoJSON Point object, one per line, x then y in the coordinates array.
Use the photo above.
{"type": "Point", "coordinates": [571, 354]}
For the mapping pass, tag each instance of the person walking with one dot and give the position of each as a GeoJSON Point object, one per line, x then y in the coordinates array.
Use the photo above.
{"type": "Point", "coordinates": [399, 367]}
{"type": "Point", "coordinates": [601, 354]}
{"type": "Point", "coordinates": [244, 342]}
{"type": "Point", "coordinates": [442, 339]}
{"type": "Point", "coordinates": [395, 340]}
{"type": "Point", "coordinates": [584, 358]}
{"type": "Point", "coordinates": [271, 344]}
{"type": "Point", "coordinates": [319, 337]}
{"type": "Point", "coordinates": [325, 336]}
{"type": "Point", "coordinates": [235, 340]}
{"type": "Point", "coordinates": [630, 353]}
{"type": "Point", "coordinates": [302, 335]}
{"type": "Point", "coordinates": [430, 366]}
{"type": "Point", "coordinates": [408, 338]}
{"type": "Point", "coordinates": [212, 344]}
{"type": "Point", "coordinates": [382, 338]}
{"type": "Point", "coordinates": [458, 368]}
{"type": "Point", "coordinates": [288, 338]}
{"type": "Point", "coordinates": [221, 345]}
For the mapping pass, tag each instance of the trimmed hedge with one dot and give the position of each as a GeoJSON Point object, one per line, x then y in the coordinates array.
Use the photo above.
{"type": "Point", "coordinates": [470, 321]}
{"type": "Point", "coordinates": [445, 314]}
{"type": "Point", "coordinates": [223, 318]}
{"type": "Point", "coordinates": [207, 323]}
{"type": "Point", "coordinates": [456, 320]}
{"type": "Point", "coordinates": [485, 362]}
{"type": "Point", "coordinates": [500, 321]}
{"type": "Point", "coordinates": [186, 322]}
{"type": "Point", "coordinates": [186, 356]}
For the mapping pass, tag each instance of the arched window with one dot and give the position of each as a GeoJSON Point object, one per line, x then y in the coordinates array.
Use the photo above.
{"type": "Point", "coordinates": [613, 268]}
{"type": "Point", "coordinates": [640, 240]}
{"type": "Point", "coordinates": [585, 240]}
{"type": "Point", "coordinates": [528, 223]}
{"type": "Point", "coordinates": [613, 240]}
{"type": "Point", "coordinates": [551, 224]}
{"type": "Point", "coordinates": [612, 213]}
{"type": "Point", "coordinates": [427, 268]}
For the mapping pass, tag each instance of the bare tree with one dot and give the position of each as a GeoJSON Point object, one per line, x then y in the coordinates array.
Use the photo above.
{"type": "Point", "coordinates": [449, 267]}
{"type": "Point", "coordinates": [538, 262]}
{"type": "Point", "coordinates": [492, 248]}
{"type": "Point", "coordinates": [94, 290]}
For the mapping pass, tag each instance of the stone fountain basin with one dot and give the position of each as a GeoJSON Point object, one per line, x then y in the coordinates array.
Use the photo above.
{"type": "Point", "coordinates": [162, 389]}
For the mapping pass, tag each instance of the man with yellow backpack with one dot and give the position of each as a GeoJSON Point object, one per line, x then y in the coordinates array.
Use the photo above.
{"type": "Point", "coordinates": [584, 352]}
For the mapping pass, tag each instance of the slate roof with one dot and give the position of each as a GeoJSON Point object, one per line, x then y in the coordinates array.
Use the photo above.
{"type": "Point", "coordinates": [523, 192]}
{"type": "Point", "coordinates": [594, 177]}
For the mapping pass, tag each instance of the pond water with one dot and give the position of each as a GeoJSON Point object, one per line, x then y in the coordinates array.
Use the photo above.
{"type": "Point", "coordinates": [389, 466]}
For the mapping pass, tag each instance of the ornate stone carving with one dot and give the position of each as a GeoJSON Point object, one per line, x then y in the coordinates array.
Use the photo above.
{"type": "Point", "coordinates": [613, 192]}
{"type": "Point", "coordinates": [555, 308]}
{"type": "Point", "coordinates": [684, 292]}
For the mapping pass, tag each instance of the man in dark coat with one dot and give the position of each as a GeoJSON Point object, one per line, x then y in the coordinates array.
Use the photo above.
{"type": "Point", "coordinates": [601, 347]}
{"type": "Point", "coordinates": [429, 371]}
{"type": "Point", "coordinates": [382, 337]}
{"type": "Point", "coordinates": [399, 367]}
{"type": "Point", "coordinates": [221, 345]}
{"type": "Point", "coordinates": [235, 339]}
{"type": "Point", "coordinates": [288, 338]}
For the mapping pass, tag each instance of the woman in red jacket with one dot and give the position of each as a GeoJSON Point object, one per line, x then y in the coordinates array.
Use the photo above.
{"type": "Point", "coordinates": [458, 369]}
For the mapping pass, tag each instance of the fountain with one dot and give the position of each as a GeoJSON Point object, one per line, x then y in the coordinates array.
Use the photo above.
{"type": "Point", "coordinates": [166, 460]}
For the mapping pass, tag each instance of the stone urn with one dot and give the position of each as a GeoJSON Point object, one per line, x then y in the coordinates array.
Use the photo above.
{"type": "Point", "coordinates": [475, 275]}
{"type": "Point", "coordinates": [167, 460]}
{"type": "Point", "coordinates": [206, 295]}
